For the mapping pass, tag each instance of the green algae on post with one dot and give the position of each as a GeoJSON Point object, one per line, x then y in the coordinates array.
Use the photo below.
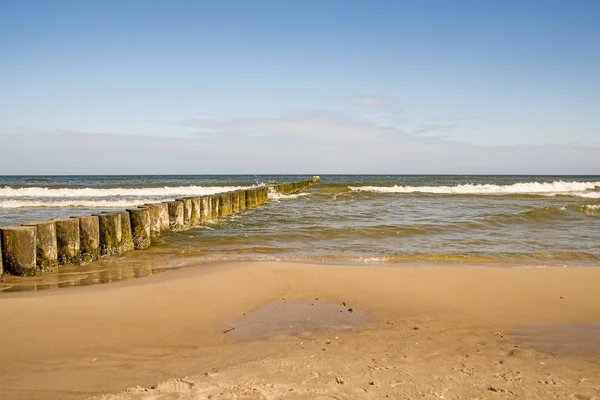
{"type": "Point", "coordinates": [126, 236]}
{"type": "Point", "coordinates": [19, 250]}
{"type": "Point", "coordinates": [155, 220]}
{"type": "Point", "coordinates": [89, 238]}
{"type": "Point", "coordinates": [242, 199]}
{"type": "Point", "coordinates": [111, 236]}
{"type": "Point", "coordinates": [140, 227]}
{"type": "Point", "coordinates": [176, 216]}
{"type": "Point", "coordinates": [196, 211]}
{"type": "Point", "coordinates": [67, 241]}
{"type": "Point", "coordinates": [45, 243]}
{"type": "Point", "coordinates": [205, 209]}
{"type": "Point", "coordinates": [187, 211]}
{"type": "Point", "coordinates": [214, 204]}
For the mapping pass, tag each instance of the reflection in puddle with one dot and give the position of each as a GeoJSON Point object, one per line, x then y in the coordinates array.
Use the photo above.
{"type": "Point", "coordinates": [296, 318]}
{"type": "Point", "coordinates": [578, 339]}
{"type": "Point", "coordinates": [59, 280]}
{"type": "Point", "coordinates": [109, 269]}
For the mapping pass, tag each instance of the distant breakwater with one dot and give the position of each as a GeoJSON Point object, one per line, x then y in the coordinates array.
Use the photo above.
{"type": "Point", "coordinates": [47, 245]}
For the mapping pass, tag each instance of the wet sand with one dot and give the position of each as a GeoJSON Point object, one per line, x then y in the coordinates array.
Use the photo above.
{"type": "Point", "coordinates": [427, 333]}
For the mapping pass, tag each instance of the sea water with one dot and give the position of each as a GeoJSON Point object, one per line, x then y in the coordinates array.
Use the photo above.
{"type": "Point", "coordinates": [377, 220]}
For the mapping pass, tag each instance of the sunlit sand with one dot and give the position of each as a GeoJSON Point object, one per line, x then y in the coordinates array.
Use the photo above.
{"type": "Point", "coordinates": [426, 332]}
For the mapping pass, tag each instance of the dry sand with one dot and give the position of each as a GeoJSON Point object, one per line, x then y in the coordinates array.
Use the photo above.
{"type": "Point", "coordinates": [435, 333]}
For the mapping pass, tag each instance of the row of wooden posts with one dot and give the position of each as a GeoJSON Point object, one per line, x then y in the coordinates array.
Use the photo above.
{"type": "Point", "coordinates": [46, 245]}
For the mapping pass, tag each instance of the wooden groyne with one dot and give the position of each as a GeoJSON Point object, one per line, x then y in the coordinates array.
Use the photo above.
{"type": "Point", "coordinates": [48, 245]}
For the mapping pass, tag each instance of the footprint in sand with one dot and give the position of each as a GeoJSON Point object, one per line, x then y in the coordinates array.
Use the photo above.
{"type": "Point", "coordinates": [249, 394]}
{"type": "Point", "coordinates": [581, 396]}
{"type": "Point", "coordinates": [174, 386]}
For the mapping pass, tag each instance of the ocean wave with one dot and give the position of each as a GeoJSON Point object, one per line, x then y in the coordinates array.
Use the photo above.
{"type": "Point", "coordinates": [522, 260]}
{"type": "Point", "coordinates": [76, 203]}
{"type": "Point", "coordinates": [590, 208]}
{"type": "Point", "coordinates": [517, 259]}
{"type": "Point", "coordinates": [588, 195]}
{"type": "Point", "coordinates": [546, 212]}
{"type": "Point", "coordinates": [275, 195]}
{"type": "Point", "coordinates": [580, 189]}
{"type": "Point", "coordinates": [539, 214]}
{"type": "Point", "coordinates": [166, 191]}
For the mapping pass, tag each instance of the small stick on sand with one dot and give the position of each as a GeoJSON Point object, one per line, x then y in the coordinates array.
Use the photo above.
{"type": "Point", "coordinates": [228, 330]}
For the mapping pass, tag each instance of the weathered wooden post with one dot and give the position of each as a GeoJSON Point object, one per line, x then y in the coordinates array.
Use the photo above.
{"type": "Point", "coordinates": [242, 199]}
{"type": "Point", "coordinates": [165, 223]}
{"type": "Point", "coordinates": [224, 204]}
{"type": "Point", "coordinates": [176, 216]}
{"type": "Point", "coordinates": [196, 211]}
{"type": "Point", "coordinates": [18, 250]}
{"type": "Point", "coordinates": [263, 194]}
{"type": "Point", "coordinates": [235, 202]}
{"type": "Point", "coordinates": [46, 255]}
{"type": "Point", "coordinates": [214, 203]}
{"type": "Point", "coordinates": [126, 235]}
{"type": "Point", "coordinates": [205, 209]}
{"type": "Point", "coordinates": [140, 227]}
{"type": "Point", "coordinates": [155, 219]}
{"type": "Point", "coordinates": [250, 198]}
{"type": "Point", "coordinates": [111, 234]}
{"type": "Point", "coordinates": [187, 211]}
{"type": "Point", "coordinates": [67, 241]}
{"type": "Point", "coordinates": [89, 238]}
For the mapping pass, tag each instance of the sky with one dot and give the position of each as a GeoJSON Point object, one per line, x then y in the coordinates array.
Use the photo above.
{"type": "Point", "coordinates": [300, 86]}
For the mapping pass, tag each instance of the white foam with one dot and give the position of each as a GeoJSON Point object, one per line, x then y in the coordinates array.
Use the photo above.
{"type": "Point", "coordinates": [588, 195]}
{"type": "Point", "coordinates": [590, 208]}
{"type": "Point", "coordinates": [275, 195]}
{"type": "Point", "coordinates": [101, 197]}
{"type": "Point", "coordinates": [76, 203]}
{"type": "Point", "coordinates": [373, 259]}
{"type": "Point", "coordinates": [166, 191]}
{"type": "Point", "coordinates": [542, 188]}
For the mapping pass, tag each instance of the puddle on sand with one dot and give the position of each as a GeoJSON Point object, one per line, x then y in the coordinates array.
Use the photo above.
{"type": "Point", "coordinates": [296, 318]}
{"type": "Point", "coordinates": [578, 339]}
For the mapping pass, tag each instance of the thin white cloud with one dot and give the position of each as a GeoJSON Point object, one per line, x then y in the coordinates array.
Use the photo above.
{"type": "Point", "coordinates": [434, 129]}
{"type": "Point", "coordinates": [375, 102]}
{"type": "Point", "coordinates": [312, 124]}
{"type": "Point", "coordinates": [82, 153]}
{"type": "Point", "coordinates": [312, 142]}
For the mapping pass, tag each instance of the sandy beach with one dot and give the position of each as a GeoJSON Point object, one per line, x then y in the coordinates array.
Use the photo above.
{"type": "Point", "coordinates": [429, 332]}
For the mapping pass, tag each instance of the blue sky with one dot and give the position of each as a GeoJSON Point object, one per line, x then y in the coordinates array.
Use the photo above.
{"type": "Point", "coordinates": [300, 86]}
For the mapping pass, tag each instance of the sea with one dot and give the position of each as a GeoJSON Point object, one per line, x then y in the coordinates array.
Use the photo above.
{"type": "Point", "coordinates": [378, 220]}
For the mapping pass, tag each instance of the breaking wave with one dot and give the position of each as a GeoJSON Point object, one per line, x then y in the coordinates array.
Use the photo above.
{"type": "Point", "coordinates": [166, 191]}
{"type": "Point", "coordinates": [275, 195]}
{"type": "Point", "coordinates": [76, 203]}
{"type": "Point", "coordinates": [590, 208]}
{"type": "Point", "coordinates": [43, 197]}
{"type": "Point", "coordinates": [579, 189]}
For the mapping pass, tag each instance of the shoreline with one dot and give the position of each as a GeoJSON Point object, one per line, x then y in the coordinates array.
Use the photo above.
{"type": "Point", "coordinates": [142, 265]}
{"type": "Point", "coordinates": [97, 339]}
